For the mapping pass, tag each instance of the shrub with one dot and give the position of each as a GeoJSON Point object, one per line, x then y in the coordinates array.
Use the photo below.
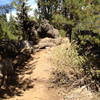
{"type": "Point", "coordinates": [68, 66]}
{"type": "Point", "coordinates": [72, 69]}
{"type": "Point", "coordinates": [58, 20]}
{"type": "Point", "coordinates": [66, 58]}
{"type": "Point", "coordinates": [62, 33]}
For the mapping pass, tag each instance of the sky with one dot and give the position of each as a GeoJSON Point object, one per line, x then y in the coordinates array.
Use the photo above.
{"type": "Point", "coordinates": [3, 2]}
{"type": "Point", "coordinates": [32, 3]}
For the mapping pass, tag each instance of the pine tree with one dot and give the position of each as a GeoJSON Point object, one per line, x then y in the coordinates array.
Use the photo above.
{"type": "Point", "coordinates": [47, 8]}
{"type": "Point", "coordinates": [23, 17]}
{"type": "Point", "coordinates": [80, 19]}
{"type": "Point", "coordinates": [4, 28]}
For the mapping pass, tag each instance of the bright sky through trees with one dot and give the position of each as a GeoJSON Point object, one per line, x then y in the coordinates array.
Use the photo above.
{"type": "Point", "coordinates": [32, 3]}
{"type": "Point", "coordinates": [3, 2]}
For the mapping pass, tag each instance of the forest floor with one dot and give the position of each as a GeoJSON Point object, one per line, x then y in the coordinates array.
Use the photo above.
{"type": "Point", "coordinates": [42, 89]}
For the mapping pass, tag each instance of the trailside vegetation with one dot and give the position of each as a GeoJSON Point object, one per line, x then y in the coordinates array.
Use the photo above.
{"type": "Point", "coordinates": [79, 20]}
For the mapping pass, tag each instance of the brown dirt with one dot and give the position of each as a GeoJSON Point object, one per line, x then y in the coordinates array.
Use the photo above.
{"type": "Point", "coordinates": [41, 75]}
{"type": "Point", "coordinates": [42, 87]}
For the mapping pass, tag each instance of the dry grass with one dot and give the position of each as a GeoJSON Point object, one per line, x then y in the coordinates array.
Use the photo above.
{"type": "Point", "coordinates": [96, 96]}
{"type": "Point", "coordinates": [68, 66]}
{"type": "Point", "coordinates": [68, 73]}
{"type": "Point", "coordinates": [65, 58]}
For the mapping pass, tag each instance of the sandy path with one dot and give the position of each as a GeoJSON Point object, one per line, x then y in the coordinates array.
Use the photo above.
{"type": "Point", "coordinates": [41, 73]}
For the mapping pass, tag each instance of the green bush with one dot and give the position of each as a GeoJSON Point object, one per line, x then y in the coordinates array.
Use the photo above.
{"type": "Point", "coordinates": [58, 20]}
{"type": "Point", "coordinates": [62, 33]}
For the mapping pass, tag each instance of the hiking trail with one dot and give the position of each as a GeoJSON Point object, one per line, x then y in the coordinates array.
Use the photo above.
{"type": "Point", "coordinates": [41, 75]}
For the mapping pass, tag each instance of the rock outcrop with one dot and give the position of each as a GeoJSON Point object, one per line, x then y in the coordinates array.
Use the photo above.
{"type": "Point", "coordinates": [47, 30]}
{"type": "Point", "coordinates": [50, 42]}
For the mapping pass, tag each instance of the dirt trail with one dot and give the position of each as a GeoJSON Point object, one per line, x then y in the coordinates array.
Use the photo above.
{"type": "Point", "coordinates": [41, 75]}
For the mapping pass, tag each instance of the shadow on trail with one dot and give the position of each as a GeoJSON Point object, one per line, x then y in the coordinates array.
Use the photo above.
{"type": "Point", "coordinates": [17, 84]}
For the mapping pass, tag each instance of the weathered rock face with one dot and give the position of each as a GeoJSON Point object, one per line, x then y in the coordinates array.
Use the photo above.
{"type": "Point", "coordinates": [47, 30]}
{"type": "Point", "coordinates": [26, 47]}
{"type": "Point", "coordinates": [53, 32]}
{"type": "Point", "coordinates": [11, 48]}
{"type": "Point", "coordinates": [33, 34]}
{"type": "Point", "coordinates": [50, 42]}
{"type": "Point", "coordinates": [42, 30]}
{"type": "Point", "coordinates": [8, 48]}
{"type": "Point", "coordinates": [6, 70]}
{"type": "Point", "coordinates": [12, 54]}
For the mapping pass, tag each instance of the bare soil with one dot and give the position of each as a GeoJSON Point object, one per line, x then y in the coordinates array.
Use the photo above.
{"type": "Point", "coordinates": [41, 75]}
{"type": "Point", "coordinates": [42, 88]}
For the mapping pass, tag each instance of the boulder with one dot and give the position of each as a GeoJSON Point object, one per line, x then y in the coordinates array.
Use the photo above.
{"type": "Point", "coordinates": [26, 47]}
{"type": "Point", "coordinates": [12, 48]}
{"type": "Point", "coordinates": [53, 32]}
{"type": "Point", "coordinates": [6, 70]}
{"type": "Point", "coordinates": [47, 30]}
{"type": "Point", "coordinates": [50, 42]}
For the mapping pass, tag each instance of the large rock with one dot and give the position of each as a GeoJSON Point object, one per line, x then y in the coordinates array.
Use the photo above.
{"type": "Point", "coordinates": [54, 33]}
{"type": "Point", "coordinates": [50, 42]}
{"type": "Point", "coordinates": [26, 47]}
{"type": "Point", "coordinates": [33, 34]}
{"type": "Point", "coordinates": [12, 48]}
{"type": "Point", "coordinates": [47, 30]}
{"type": "Point", "coordinates": [6, 70]}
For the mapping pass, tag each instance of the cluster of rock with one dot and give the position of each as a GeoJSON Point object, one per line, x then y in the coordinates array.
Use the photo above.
{"type": "Point", "coordinates": [43, 30]}
{"type": "Point", "coordinates": [12, 54]}
{"type": "Point", "coordinates": [11, 48]}
{"type": "Point", "coordinates": [48, 35]}
{"type": "Point", "coordinates": [47, 30]}
{"type": "Point", "coordinates": [50, 42]}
